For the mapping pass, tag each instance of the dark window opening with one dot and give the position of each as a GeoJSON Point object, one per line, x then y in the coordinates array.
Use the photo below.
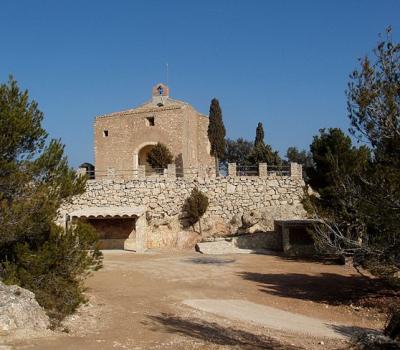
{"type": "Point", "coordinates": [150, 121]}
{"type": "Point", "coordinates": [300, 236]}
{"type": "Point", "coordinates": [105, 133]}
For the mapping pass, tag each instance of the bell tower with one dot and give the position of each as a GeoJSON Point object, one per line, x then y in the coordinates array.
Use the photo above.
{"type": "Point", "coordinates": [160, 94]}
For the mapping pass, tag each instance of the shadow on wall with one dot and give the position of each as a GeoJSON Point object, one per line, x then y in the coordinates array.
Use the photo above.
{"type": "Point", "coordinates": [213, 333]}
{"type": "Point", "coordinates": [179, 165]}
{"type": "Point", "coordinates": [327, 287]}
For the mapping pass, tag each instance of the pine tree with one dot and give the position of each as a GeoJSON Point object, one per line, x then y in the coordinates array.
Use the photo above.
{"type": "Point", "coordinates": [216, 132]}
{"type": "Point", "coordinates": [359, 189]}
{"type": "Point", "coordinates": [35, 179]}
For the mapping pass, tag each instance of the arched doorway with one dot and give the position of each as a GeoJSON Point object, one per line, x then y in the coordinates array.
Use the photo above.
{"type": "Point", "coordinates": [140, 157]}
{"type": "Point", "coordinates": [143, 153]}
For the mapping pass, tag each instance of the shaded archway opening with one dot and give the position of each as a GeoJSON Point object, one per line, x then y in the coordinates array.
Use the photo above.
{"type": "Point", "coordinates": [142, 159]}
{"type": "Point", "coordinates": [117, 227]}
{"type": "Point", "coordinates": [112, 232]}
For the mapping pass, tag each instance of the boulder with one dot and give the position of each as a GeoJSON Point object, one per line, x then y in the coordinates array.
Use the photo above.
{"type": "Point", "coordinates": [187, 239]}
{"type": "Point", "coordinates": [262, 220]}
{"type": "Point", "coordinates": [235, 223]}
{"type": "Point", "coordinates": [214, 227]}
{"type": "Point", "coordinates": [217, 247]}
{"type": "Point", "coordinates": [251, 218]}
{"type": "Point", "coordinates": [168, 233]}
{"type": "Point", "coordinates": [19, 310]}
{"type": "Point", "coordinates": [225, 246]}
{"type": "Point", "coordinates": [281, 212]}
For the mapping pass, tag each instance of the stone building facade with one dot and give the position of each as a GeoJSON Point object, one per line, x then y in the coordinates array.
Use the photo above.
{"type": "Point", "coordinates": [134, 211]}
{"type": "Point", "coordinates": [123, 139]}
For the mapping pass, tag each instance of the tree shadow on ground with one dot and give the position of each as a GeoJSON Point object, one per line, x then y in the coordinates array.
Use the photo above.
{"type": "Point", "coordinates": [328, 288]}
{"type": "Point", "coordinates": [206, 260]}
{"type": "Point", "coordinates": [353, 331]}
{"type": "Point", "coordinates": [316, 259]}
{"type": "Point", "coordinates": [214, 333]}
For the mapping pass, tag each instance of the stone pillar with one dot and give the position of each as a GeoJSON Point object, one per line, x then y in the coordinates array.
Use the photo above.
{"type": "Point", "coordinates": [189, 173]}
{"type": "Point", "coordinates": [141, 171]}
{"type": "Point", "coordinates": [232, 169]}
{"type": "Point", "coordinates": [202, 171]}
{"type": "Point", "coordinates": [285, 238]}
{"type": "Point", "coordinates": [296, 170]}
{"type": "Point", "coordinates": [135, 161]}
{"type": "Point", "coordinates": [262, 169]}
{"type": "Point", "coordinates": [137, 240]}
{"type": "Point", "coordinates": [110, 172]}
{"type": "Point", "coordinates": [170, 171]}
{"type": "Point", "coordinates": [141, 239]}
{"type": "Point", "coordinates": [211, 171]}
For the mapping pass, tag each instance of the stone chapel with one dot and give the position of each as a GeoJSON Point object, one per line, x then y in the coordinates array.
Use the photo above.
{"type": "Point", "coordinates": [123, 139]}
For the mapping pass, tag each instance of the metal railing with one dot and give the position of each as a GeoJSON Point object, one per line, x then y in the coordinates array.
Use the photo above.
{"type": "Point", "coordinates": [278, 170]}
{"type": "Point", "coordinates": [247, 170]}
{"type": "Point", "coordinates": [176, 171]}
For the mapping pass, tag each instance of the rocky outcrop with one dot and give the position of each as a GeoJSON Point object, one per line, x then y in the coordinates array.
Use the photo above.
{"type": "Point", "coordinates": [19, 310]}
{"type": "Point", "coordinates": [174, 232]}
{"type": "Point", "coordinates": [262, 220]}
{"type": "Point", "coordinates": [170, 232]}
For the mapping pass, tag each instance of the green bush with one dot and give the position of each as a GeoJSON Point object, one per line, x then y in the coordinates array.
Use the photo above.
{"type": "Point", "coordinates": [56, 270]}
{"type": "Point", "coordinates": [160, 156]}
{"type": "Point", "coordinates": [196, 205]}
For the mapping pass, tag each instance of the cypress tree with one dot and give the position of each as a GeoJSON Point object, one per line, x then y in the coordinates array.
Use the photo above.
{"type": "Point", "coordinates": [259, 135]}
{"type": "Point", "coordinates": [262, 153]}
{"type": "Point", "coordinates": [216, 132]}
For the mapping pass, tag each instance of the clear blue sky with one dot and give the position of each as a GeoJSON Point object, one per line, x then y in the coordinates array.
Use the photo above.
{"type": "Point", "coordinates": [285, 63]}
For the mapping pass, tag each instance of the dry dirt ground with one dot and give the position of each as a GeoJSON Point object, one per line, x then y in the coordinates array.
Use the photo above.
{"type": "Point", "coordinates": [185, 300]}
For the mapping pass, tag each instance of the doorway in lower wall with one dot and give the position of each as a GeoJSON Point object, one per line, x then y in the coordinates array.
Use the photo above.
{"type": "Point", "coordinates": [113, 232]}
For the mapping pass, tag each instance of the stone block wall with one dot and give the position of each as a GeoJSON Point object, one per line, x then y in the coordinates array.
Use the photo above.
{"type": "Point", "coordinates": [164, 196]}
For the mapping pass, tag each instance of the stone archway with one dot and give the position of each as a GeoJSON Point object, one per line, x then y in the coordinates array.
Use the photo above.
{"type": "Point", "coordinates": [140, 156]}
{"type": "Point", "coordinates": [143, 153]}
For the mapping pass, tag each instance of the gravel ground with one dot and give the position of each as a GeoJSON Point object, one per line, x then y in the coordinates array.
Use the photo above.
{"type": "Point", "coordinates": [137, 301]}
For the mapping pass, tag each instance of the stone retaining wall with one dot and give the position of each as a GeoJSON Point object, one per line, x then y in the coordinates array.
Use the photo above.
{"type": "Point", "coordinates": [164, 197]}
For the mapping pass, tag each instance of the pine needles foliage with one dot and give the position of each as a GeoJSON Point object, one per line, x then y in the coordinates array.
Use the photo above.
{"type": "Point", "coordinates": [160, 156]}
{"type": "Point", "coordinates": [35, 179]}
{"type": "Point", "coordinates": [196, 205]}
{"type": "Point", "coordinates": [216, 132]}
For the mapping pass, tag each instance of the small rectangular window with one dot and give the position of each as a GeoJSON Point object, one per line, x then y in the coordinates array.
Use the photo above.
{"type": "Point", "coordinates": [105, 133]}
{"type": "Point", "coordinates": [150, 121]}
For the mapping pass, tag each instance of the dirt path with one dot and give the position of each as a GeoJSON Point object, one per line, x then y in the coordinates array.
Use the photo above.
{"type": "Point", "coordinates": [137, 302]}
{"type": "Point", "coordinates": [269, 317]}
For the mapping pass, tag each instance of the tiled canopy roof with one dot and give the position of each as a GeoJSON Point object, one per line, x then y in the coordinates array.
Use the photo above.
{"type": "Point", "coordinates": [108, 212]}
